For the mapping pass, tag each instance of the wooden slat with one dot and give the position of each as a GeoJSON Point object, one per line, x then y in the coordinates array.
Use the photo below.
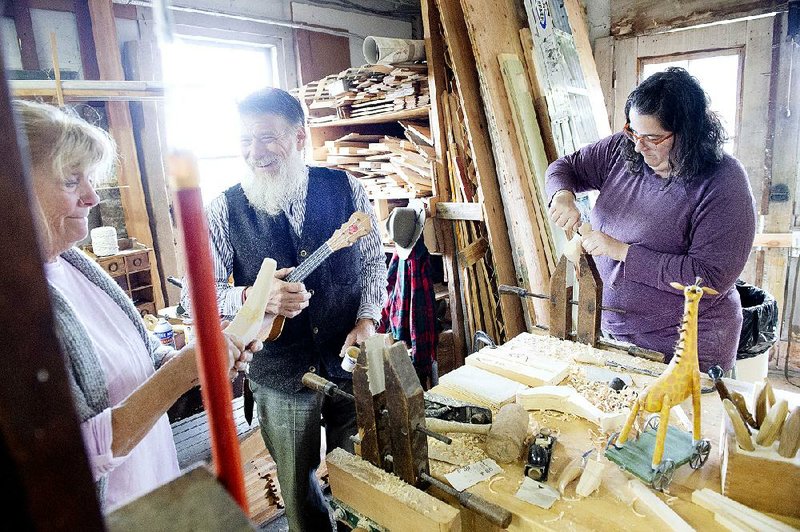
{"type": "Point", "coordinates": [636, 17]}
{"type": "Point", "coordinates": [539, 100]}
{"type": "Point", "coordinates": [120, 125]}
{"type": "Point", "coordinates": [459, 211]}
{"type": "Point", "coordinates": [479, 144]}
{"type": "Point", "coordinates": [436, 83]}
{"type": "Point", "coordinates": [580, 34]}
{"type": "Point", "coordinates": [85, 40]}
{"type": "Point", "coordinates": [493, 29]}
{"type": "Point", "coordinates": [44, 463]}
{"type": "Point", "coordinates": [27, 41]}
{"type": "Point", "coordinates": [530, 139]}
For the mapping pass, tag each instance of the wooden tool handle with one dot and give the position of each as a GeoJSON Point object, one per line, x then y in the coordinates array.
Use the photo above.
{"type": "Point", "coordinates": [442, 426]}
{"type": "Point", "coordinates": [491, 512]}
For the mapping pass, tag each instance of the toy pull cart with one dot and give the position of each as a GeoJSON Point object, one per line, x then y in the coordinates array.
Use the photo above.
{"type": "Point", "coordinates": [679, 450]}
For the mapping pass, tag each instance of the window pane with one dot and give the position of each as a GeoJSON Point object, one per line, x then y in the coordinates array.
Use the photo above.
{"type": "Point", "coordinates": [718, 74]}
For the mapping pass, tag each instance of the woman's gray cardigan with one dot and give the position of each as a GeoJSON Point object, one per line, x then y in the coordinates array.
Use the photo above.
{"type": "Point", "coordinates": [85, 373]}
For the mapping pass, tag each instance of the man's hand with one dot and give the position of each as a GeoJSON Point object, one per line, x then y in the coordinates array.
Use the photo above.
{"type": "Point", "coordinates": [364, 329]}
{"type": "Point", "coordinates": [286, 299]}
{"type": "Point", "coordinates": [600, 244]}
{"type": "Point", "coordinates": [563, 211]}
{"type": "Point", "coordinates": [239, 355]}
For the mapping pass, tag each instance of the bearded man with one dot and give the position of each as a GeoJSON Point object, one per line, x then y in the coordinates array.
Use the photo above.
{"type": "Point", "coordinates": [285, 210]}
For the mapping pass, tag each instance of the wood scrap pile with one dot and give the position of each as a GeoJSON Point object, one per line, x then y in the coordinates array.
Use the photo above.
{"type": "Point", "coordinates": [365, 91]}
{"type": "Point", "coordinates": [475, 260]}
{"type": "Point", "coordinates": [389, 167]}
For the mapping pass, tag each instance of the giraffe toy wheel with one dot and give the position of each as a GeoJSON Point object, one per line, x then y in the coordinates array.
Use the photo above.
{"type": "Point", "coordinates": [701, 451]}
{"type": "Point", "coordinates": [662, 476]}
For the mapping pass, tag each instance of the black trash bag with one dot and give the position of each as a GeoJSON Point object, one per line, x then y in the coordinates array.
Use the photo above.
{"type": "Point", "coordinates": [760, 323]}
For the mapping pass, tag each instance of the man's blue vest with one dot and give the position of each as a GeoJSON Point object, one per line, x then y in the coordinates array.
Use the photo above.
{"type": "Point", "coordinates": [312, 340]}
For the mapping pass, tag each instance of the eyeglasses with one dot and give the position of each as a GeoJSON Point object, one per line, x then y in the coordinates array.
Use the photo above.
{"type": "Point", "coordinates": [264, 140]}
{"type": "Point", "coordinates": [647, 140]}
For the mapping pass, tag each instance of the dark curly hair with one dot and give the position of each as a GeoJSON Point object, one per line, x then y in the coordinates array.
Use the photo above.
{"type": "Point", "coordinates": [679, 103]}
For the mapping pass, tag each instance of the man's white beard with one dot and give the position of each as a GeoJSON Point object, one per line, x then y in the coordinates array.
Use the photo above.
{"type": "Point", "coordinates": [271, 192]}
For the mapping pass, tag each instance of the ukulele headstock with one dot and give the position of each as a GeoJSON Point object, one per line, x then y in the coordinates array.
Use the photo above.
{"type": "Point", "coordinates": [356, 227]}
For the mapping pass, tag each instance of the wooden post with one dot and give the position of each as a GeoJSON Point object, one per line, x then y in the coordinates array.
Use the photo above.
{"type": "Point", "coordinates": [560, 302]}
{"type": "Point", "coordinates": [436, 83]}
{"type": "Point", "coordinates": [46, 480]}
{"type": "Point", "coordinates": [590, 298]}
{"type": "Point", "coordinates": [27, 41]}
{"type": "Point", "coordinates": [109, 62]}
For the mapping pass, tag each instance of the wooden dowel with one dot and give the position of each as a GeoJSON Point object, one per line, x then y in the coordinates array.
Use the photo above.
{"type": "Point", "coordinates": [56, 69]}
{"type": "Point", "coordinates": [212, 359]}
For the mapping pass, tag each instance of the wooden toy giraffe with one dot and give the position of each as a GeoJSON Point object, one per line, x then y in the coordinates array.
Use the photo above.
{"type": "Point", "coordinates": [679, 380]}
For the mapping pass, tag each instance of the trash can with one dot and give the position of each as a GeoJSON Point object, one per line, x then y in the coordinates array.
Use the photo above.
{"type": "Point", "coordinates": [759, 332]}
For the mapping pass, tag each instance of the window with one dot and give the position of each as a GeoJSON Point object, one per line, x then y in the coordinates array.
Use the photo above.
{"type": "Point", "coordinates": [206, 79]}
{"type": "Point", "coordinates": [718, 73]}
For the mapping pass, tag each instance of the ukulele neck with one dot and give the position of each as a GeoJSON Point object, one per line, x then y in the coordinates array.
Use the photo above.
{"type": "Point", "coordinates": [308, 266]}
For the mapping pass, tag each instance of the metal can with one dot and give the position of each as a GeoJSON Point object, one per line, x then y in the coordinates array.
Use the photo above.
{"type": "Point", "coordinates": [164, 333]}
{"type": "Point", "coordinates": [350, 358]}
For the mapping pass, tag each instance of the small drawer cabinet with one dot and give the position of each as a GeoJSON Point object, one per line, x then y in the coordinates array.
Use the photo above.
{"type": "Point", "coordinates": [131, 270]}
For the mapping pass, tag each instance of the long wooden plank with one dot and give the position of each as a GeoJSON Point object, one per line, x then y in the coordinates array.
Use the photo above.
{"type": "Point", "coordinates": [580, 34]}
{"type": "Point", "coordinates": [434, 49]}
{"type": "Point", "coordinates": [386, 499]}
{"type": "Point", "coordinates": [46, 480]}
{"type": "Point", "coordinates": [493, 28]}
{"type": "Point", "coordinates": [636, 17]}
{"type": "Point", "coordinates": [109, 62]}
{"type": "Point", "coordinates": [533, 152]}
{"type": "Point", "coordinates": [479, 145]}
{"type": "Point", "coordinates": [27, 41]}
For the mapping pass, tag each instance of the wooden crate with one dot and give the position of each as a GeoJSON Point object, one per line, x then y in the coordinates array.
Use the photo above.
{"type": "Point", "coordinates": [762, 483]}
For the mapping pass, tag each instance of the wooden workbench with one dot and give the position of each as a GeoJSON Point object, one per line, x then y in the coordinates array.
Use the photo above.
{"type": "Point", "coordinates": [608, 508]}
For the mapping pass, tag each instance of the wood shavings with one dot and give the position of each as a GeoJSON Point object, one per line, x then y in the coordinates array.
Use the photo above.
{"type": "Point", "coordinates": [633, 509]}
{"type": "Point", "coordinates": [670, 501]}
{"type": "Point", "coordinates": [553, 520]}
{"type": "Point", "coordinates": [600, 394]}
{"type": "Point", "coordinates": [465, 449]}
{"type": "Point", "coordinates": [492, 481]}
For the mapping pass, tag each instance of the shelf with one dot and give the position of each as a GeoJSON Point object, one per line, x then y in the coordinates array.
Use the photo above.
{"type": "Point", "coordinates": [89, 90]}
{"type": "Point", "coordinates": [407, 114]}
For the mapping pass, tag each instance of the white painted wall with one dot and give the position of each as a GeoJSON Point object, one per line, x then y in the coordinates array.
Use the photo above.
{"type": "Point", "coordinates": [598, 14]}
{"type": "Point", "coordinates": [362, 25]}
{"type": "Point", "coordinates": [12, 59]}
{"type": "Point", "coordinates": [66, 29]}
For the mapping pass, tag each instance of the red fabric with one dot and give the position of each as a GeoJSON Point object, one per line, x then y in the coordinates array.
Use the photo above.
{"type": "Point", "coordinates": [410, 312]}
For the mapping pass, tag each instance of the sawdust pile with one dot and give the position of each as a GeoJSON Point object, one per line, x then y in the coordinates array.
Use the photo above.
{"type": "Point", "coordinates": [466, 449]}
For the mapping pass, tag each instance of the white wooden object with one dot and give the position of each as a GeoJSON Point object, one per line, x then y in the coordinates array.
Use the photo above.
{"type": "Point", "coordinates": [658, 507]}
{"type": "Point", "coordinates": [481, 387]}
{"type": "Point", "coordinates": [533, 370]}
{"type": "Point", "coordinates": [566, 399]}
{"type": "Point", "coordinates": [737, 512]}
{"type": "Point", "coordinates": [248, 321]}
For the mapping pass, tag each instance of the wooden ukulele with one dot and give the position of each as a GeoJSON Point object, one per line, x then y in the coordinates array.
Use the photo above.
{"type": "Point", "coordinates": [352, 230]}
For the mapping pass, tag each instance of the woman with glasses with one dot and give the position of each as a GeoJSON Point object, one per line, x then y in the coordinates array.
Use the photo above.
{"type": "Point", "coordinates": [672, 206]}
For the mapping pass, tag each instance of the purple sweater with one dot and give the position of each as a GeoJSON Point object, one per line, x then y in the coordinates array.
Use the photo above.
{"type": "Point", "coordinates": [704, 229]}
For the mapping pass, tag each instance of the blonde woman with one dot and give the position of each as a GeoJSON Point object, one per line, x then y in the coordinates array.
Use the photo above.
{"type": "Point", "coordinates": [122, 381]}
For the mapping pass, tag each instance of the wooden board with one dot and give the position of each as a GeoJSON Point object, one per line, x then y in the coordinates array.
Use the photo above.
{"type": "Point", "coordinates": [493, 29]}
{"type": "Point", "coordinates": [567, 400]}
{"type": "Point", "coordinates": [532, 370]}
{"type": "Point", "coordinates": [636, 17]}
{"type": "Point", "coordinates": [479, 145]}
{"type": "Point", "coordinates": [193, 501]}
{"type": "Point", "coordinates": [386, 499]}
{"type": "Point", "coordinates": [484, 388]}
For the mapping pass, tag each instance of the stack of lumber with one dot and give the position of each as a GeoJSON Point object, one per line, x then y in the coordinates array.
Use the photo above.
{"type": "Point", "coordinates": [365, 91]}
{"type": "Point", "coordinates": [388, 167]}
